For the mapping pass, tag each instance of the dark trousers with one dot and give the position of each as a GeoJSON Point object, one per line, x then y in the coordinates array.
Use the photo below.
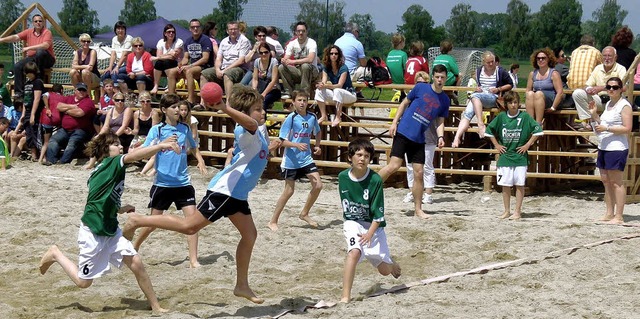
{"type": "Point", "coordinates": [43, 60]}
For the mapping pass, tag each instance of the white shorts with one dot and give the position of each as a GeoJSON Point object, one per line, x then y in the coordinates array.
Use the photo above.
{"type": "Point", "coordinates": [96, 252]}
{"type": "Point", "coordinates": [377, 253]}
{"type": "Point", "coordinates": [511, 175]}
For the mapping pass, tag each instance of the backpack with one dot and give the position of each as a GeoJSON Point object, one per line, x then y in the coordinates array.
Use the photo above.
{"type": "Point", "coordinates": [376, 72]}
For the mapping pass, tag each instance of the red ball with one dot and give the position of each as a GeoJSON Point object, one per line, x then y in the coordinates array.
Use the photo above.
{"type": "Point", "coordinates": [211, 93]}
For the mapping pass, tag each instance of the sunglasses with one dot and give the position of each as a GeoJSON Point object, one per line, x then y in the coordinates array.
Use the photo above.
{"type": "Point", "coordinates": [145, 101]}
{"type": "Point", "coordinates": [85, 41]}
{"type": "Point", "coordinates": [541, 58]}
{"type": "Point", "coordinates": [264, 52]}
{"type": "Point", "coordinates": [37, 21]}
{"type": "Point", "coordinates": [612, 87]}
{"type": "Point", "coordinates": [334, 53]}
{"type": "Point", "coordinates": [137, 45]}
{"type": "Point", "coordinates": [260, 36]}
{"type": "Point", "coordinates": [171, 31]}
{"type": "Point", "coordinates": [118, 100]}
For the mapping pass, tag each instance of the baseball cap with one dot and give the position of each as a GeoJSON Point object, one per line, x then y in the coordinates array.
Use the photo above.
{"type": "Point", "coordinates": [81, 86]}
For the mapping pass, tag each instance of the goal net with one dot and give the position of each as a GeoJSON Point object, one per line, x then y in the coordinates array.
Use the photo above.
{"type": "Point", "coordinates": [468, 59]}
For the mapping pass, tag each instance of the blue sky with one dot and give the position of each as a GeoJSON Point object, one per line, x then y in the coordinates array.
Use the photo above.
{"type": "Point", "coordinates": [387, 14]}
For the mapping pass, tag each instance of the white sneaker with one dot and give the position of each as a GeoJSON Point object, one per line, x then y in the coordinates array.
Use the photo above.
{"type": "Point", "coordinates": [427, 199]}
{"type": "Point", "coordinates": [408, 198]}
{"type": "Point", "coordinates": [285, 97]}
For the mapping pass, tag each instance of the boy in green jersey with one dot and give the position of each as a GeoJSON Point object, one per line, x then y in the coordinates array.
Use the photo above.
{"type": "Point", "coordinates": [99, 238]}
{"type": "Point", "coordinates": [361, 193]}
{"type": "Point", "coordinates": [512, 133]}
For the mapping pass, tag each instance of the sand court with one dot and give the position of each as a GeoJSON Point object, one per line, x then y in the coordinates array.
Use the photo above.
{"type": "Point", "coordinates": [557, 261]}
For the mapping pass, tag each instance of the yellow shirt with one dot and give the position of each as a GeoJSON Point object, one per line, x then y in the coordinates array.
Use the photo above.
{"type": "Point", "coordinates": [583, 60]}
{"type": "Point", "coordinates": [599, 76]}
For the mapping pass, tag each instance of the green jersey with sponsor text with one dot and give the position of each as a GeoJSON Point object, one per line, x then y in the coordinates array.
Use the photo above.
{"type": "Point", "coordinates": [513, 132]}
{"type": "Point", "coordinates": [362, 199]}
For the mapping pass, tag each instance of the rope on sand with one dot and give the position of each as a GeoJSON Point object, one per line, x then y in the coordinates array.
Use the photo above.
{"type": "Point", "coordinates": [508, 264]}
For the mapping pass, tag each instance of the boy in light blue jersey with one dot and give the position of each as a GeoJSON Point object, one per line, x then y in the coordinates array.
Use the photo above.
{"type": "Point", "coordinates": [172, 182]}
{"type": "Point", "coordinates": [228, 191]}
{"type": "Point", "coordinates": [297, 161]}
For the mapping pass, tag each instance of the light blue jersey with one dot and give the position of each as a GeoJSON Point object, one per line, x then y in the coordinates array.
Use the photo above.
{"type": "Point", "coordinates": [171, 167]}
{"type": "Point", "coordinates": [249, 161]}
{"type": "Point", "coordinates": [298, 129]}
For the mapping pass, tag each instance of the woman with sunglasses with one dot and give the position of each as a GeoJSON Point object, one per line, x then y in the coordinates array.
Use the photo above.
{"type": "Point", "coordinates": [84, 67]}
{"type": "Point", "coordinates": [544, 85]}
{"type": "Point", "coordinates": [143, 119]}
{"type": "Point", "coordinates": [169, 51]}
{"type": "Point", "coordinates": [260, 34]}
{"type": "Point", "coordinates": [612, 128]}
{"type": "Point", "coordinates": [335, 85]}
{"type": "Point", "coordinates": [139, 68]}
{"type": "Point", "coordinates": [265, 76]}
{"type": "Point", "coordinates": [119, 121]}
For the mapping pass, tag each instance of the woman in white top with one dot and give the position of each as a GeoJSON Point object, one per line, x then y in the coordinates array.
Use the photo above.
{"type": "Point", "coordinates": [168, 52]}
{"type": "Point", "coordinates": [613, 128]}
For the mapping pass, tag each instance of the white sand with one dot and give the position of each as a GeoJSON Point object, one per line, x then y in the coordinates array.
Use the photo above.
{"type": "Point", "coordinates": [299, 265]}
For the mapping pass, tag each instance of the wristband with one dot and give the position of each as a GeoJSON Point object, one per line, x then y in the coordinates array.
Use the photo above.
{"type": "Point", "coordinates": [441, 137]}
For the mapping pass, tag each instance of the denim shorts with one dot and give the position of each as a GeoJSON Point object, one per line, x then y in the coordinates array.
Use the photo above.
{"type": "Point", "coordinates": [488, 101]}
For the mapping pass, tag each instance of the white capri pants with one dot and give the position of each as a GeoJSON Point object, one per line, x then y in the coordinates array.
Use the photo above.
{"type": "Point", "coordinates": [582, 99]}
{"type": "Point", "coordinates": [341, 96]}
{"type": "Point", "coordinates": [429, 176]}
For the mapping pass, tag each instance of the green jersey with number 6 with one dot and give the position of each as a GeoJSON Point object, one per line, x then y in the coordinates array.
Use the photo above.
{"type": "Point", "coordinates": [362, 199]}
{"type": "Point", "coordinates": [513, 132]}
{"type": "Point", "coordinates": [106, 185]}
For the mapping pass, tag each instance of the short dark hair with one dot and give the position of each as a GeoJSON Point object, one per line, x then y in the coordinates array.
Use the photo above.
{"type": "Point", "coordinates": [1, 65]}
{"type": "Point", "coordinates": [57, 87]}
{"type": "Point", "coordinates": [194, 20]}
{"type": "Point", "coordinates": [169, 99]}
{"type": "Point", "coordinates": [588, 40]}
{"type": "Point", "coordinates": [297, 93]}
{"type": "Point", "coordinates": [208, 26]}
{"type": "Point", "coordinates": [120, 24]}
{"type": "Point", "coordinates": [302, 23]}
{"type": "Point", "coordinates": [271, 30]}
{"type": "Point", "coordinates": [556, 52]}
{"type": "Point", "coordinates": [439, 68]}
{"type": "Point", "coordinates": [4, 120]}
{"type": "Point", "coordinates": [511, 96]}
{"type": "Point", "coordinates": [31, 67]}
{"type": "Point", "coordinates": [259, 29]}
{"type": "Point", "coordinates": [514, 66]}
{"type": "Point", "coordinates": [360, 144]}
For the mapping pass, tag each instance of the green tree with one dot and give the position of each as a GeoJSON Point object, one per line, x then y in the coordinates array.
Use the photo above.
{"type": "Point", "coordinates": [490, 29]}
{"type": "Point", "coordinates": [10, 10]}
{"type": "Point", "coordinates": [608, 19]}
{"type": "Point", "coordinates": [316, 14]}
{"type": "Point", "coordinates": [76, 18]}
{"type": "Point", "coordinates": [418, 25]}
{"type": "Point", "coordinates": [138, 11]}
{"type": "Point", "coordinates": [462, 26]}
{"type": "Point", "coordinates": [557, 24]}
{"type": "Point", "coordinates": [517, 39]}
{"type": "Point", "coordinates": [227, 10]}
{"type": "Point", "coordinates": [181, 22]}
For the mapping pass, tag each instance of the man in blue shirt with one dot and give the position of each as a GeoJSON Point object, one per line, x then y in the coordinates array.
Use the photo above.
{"type": "Point", "coordinates": [353, 51]}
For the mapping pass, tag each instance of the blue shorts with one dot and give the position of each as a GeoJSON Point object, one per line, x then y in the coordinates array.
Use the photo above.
{"type": "Point", "coordinates": [612, 160]}
{"type": "Point", "coordinates": [488, 101]}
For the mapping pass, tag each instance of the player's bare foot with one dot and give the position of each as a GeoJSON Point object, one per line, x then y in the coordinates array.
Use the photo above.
{"type": "Point", "coordinates": [159, 310]}
{"type": "Point", "coordinates": [336, 122]}
{"type": "Point", "coordinates": [248, 294]}
{"type": "Point", "coordinates": [616, 221]}
{"type": "Point", "coordinates": [47, 260]}
{"type": "Point", "coordinates": [396, 271]}
{"type": "Point", "coordinates": [273, 226]}
{"type": "Point", "coordinates": [129, 229]}
{"type": "Point", "coordinates": [516, 216]}
{"type": "Point", "coordinates": [505, 215]}
{"type": "Point", "coordinates": [194, 264]}
{"type": "Point", "coordinates": [154, 90]}
{"type": "Point", "coordinates": [345, 300]}
{"type": "Point", "coordinates": [309, 221]}
{"type": "Point", "coordinates": [421, 214]}
{"type": "Point", "coordinates": [606, 218]}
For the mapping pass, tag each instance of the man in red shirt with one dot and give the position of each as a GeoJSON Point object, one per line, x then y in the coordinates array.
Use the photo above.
{"type": "Point", "coordinates": [77, 126]}
{"type": "Point", "coordinates": [39, 48]}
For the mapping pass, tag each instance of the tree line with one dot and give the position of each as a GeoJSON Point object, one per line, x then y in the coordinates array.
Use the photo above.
{"type": "Point", "coordinates": [515, 33]}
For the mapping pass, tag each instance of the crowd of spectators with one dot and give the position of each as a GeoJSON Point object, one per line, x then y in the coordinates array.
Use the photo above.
{"type": "Point", "coordinates": [275, 71]}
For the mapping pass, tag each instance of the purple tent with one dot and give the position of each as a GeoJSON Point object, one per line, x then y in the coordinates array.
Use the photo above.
{"type": "Point", "coordinates": [150, 32]}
